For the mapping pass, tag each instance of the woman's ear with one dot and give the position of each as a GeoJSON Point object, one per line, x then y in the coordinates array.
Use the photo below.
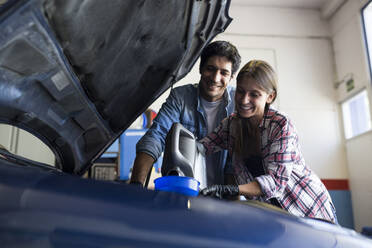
{"type": "Point", "coordinates": [271, 97]}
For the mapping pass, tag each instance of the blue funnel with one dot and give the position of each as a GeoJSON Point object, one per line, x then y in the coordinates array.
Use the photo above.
{"type": "Point", "coordinates": [183, 185]}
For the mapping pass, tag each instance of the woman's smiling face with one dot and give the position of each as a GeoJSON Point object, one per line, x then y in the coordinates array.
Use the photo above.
{"type": "Point", "coordinates": [251, 99]}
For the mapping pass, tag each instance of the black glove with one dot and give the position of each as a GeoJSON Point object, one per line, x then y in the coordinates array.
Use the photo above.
{"type": "Point", "coordinates": [221, 191]}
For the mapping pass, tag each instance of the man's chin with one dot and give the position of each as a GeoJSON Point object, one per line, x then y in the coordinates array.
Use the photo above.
{"type": "Point", "coordinates": [213, 95]}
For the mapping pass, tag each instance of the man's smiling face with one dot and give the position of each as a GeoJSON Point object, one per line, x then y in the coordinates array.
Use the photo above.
{"type": "Point", "coordinates": [215, 75]}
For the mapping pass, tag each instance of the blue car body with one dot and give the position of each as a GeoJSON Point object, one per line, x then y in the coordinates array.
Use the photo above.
{"type": "Point", "coordinates": [48, 208]}
{"type": "Point", "coordinates": [76, 74]}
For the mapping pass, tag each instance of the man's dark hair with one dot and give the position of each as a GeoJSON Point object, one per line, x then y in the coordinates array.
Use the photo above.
{"type": "Point", "coordinates": [223, 49]}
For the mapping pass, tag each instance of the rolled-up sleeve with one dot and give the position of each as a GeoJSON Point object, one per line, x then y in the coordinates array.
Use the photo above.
{"type": "Point", "coordinates": [280, 159]}
{"type": "Point", "coordinates": [153, 141]}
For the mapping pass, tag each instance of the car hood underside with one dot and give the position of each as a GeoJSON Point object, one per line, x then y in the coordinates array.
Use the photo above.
{"type": "Point", "coordinates": [76, 74]}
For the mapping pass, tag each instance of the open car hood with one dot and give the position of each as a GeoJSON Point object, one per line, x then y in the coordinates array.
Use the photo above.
{"type": "Point", "coordinates": [76, 74]}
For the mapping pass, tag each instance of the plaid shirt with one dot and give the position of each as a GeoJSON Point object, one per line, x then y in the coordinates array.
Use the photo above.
{"type": "Point", "coordinates": [287, 178]}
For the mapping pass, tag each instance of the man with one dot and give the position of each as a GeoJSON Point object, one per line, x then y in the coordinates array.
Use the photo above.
{"type": "Point", "coordinates": [199, 108]}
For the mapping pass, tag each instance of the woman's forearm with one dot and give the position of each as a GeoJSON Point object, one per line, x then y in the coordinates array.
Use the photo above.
{"type": "Point", "coordinates": [250, 189]}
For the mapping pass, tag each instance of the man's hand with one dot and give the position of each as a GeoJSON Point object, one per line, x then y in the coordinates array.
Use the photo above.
{"type": "Point", "coordinates": [141, 168]}
{"type": "Point", "coordinates": [221, 191]}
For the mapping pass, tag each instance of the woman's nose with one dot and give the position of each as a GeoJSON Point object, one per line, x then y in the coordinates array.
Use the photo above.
{"type": "Point", "coordinates": [245, 98]}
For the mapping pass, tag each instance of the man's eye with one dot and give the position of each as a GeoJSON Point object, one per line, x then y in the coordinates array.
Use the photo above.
{"type": "Point", "coordinates": [225, 73]}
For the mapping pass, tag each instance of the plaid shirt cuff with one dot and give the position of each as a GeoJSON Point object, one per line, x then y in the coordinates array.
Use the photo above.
{"type": "Point", "coordinates": [266, 183]}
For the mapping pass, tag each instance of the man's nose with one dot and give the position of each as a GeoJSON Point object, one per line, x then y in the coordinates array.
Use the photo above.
{"type": "Point", "coordinates": [217, 76]}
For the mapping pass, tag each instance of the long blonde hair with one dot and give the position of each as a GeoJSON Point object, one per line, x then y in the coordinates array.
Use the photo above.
{"type": "Point", "coordinates": [247, 143]}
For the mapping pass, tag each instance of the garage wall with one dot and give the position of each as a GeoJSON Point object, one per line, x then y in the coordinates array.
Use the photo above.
{"type": "Point", "coordinates": [350, 58]}
{"type": "Point", "coordinates": [298, 44]}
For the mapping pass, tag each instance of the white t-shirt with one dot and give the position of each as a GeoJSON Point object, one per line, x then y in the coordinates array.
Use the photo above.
{"type": "Point", "coordinates": [215, 173]}
{"type": "Point", "coordinates": [211, 109]}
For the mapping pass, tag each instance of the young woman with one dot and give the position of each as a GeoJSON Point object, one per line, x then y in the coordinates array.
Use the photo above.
{"type": "Point", "coordinates": [264, 150]}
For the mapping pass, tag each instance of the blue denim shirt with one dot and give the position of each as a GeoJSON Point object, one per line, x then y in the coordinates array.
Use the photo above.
{"type": "Point", "coordinates": [183, 106]}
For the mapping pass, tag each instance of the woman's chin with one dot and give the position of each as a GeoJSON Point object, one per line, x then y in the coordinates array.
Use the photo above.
{"type": "Point", "coordinates": [244, 114]}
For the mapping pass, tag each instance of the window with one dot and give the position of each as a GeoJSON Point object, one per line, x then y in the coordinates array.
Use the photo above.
{"type": "Point", "coordinates": [356, 114]}
{"type": "Point", "coordinates": [367, 24]}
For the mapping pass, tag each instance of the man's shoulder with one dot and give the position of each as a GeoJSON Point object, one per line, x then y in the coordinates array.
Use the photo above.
{"type": "Point", "coordinates": [231, 90]}
{"type": "Point", "coordinates": [187, 91]}
{"type": "Point", "coordinates": [186, 87]}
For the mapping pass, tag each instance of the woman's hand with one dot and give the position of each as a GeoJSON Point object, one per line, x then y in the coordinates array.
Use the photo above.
{"type": "Point", "coordinates": [251, 189]}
